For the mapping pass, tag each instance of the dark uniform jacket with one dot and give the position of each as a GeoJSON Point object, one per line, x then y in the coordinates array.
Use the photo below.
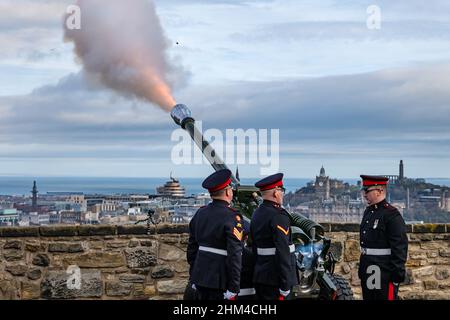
{"type": "Point", "coordinates": [270, 228]}
{"type": "Point", "coordinates": [248, 265]}
{"type": "Point", "coordinates": [383, 227]}
{"type": "Point", "coordinates": [215, 226]}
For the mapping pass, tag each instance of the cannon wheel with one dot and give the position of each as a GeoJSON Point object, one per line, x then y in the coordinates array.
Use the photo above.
{"type": "Point", "coordinates": [344, 291]}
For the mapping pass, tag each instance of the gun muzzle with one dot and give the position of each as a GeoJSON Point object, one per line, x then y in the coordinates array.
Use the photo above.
{"type": "Point", "coordinates": [181, 114]}
{"type": "Point", "coordinates": [183, 117]}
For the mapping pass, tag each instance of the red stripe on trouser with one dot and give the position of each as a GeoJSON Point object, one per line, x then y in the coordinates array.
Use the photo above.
{"type": "Point", "coordinates": [391, 291]}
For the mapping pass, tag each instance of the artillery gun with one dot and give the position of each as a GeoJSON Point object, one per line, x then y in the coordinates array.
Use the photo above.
{"type": "Point", "coordinates": [315, 262]}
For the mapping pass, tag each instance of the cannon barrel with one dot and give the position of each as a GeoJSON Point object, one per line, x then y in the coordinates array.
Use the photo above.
{"type": "Point", "coordinates": [183, 117]}
{"type": "Point", "coordinates": [307, 225]}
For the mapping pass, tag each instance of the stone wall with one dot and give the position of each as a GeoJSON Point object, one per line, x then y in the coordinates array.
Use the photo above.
{"type": "Point", "coordinates": [123, 262]}
{"type": "Point", "coordinates": [115, 262]}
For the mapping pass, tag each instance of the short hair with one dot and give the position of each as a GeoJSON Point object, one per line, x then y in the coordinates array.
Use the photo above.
{"type": "Point", "coordinates": [218, 193]}
{"type": "Point", "coordinates": [267, 192]}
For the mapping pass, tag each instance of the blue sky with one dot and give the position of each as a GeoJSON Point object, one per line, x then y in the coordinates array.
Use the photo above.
{"type": "Point", "coordinates": [352, 99]}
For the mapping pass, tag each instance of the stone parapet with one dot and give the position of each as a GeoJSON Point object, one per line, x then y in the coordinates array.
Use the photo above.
{"type": "Point", "coordinates": [124, 262]}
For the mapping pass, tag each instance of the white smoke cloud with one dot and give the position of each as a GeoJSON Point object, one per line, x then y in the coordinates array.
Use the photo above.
{"type": "Point", "coordinates": [122, 44]}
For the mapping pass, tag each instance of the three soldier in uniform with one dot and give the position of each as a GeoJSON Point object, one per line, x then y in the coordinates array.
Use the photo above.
{"type": "Point", "coordinates": [216, 252]}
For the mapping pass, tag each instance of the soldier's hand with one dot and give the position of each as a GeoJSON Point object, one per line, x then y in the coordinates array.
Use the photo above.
{"type": "Point", "coordinates": [229, 295]}
{"type": "Point", "coordinates": [283, 294]}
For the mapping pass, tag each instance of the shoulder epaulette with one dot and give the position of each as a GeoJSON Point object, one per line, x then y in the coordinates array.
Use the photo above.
{"type": "Point", "coordinates": [390, 207]}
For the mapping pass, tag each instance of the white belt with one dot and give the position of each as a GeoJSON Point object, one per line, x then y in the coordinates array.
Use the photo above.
{"type": "Point", "coordinates": [213, 250]}
{"type": "Point", "coordinates": [271, 251]}
{"type": "Point", "coordinates": [376, 252]}
{"type": "Point", "coordinates": [247, 292]}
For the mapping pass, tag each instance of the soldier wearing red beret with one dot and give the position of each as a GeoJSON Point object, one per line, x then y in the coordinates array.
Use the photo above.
{"type": "Point", "coordinates": [384, 243]}
{"type": "Point", "coordinates": [214, 251]}
{"type": "Point", "coordinates": [275, 267]}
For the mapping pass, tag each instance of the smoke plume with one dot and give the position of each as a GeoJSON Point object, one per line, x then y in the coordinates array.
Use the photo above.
{"type": "Point", "coordinates": [122, 44]}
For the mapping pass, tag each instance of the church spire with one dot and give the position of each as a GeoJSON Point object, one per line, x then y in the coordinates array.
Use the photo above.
{"type": "Point", "coordinates": [34, 193]}
{"type": "Point", "coordinates": [322, 171]}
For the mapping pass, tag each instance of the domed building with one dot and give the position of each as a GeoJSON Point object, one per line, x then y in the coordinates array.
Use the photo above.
{"type": "Point", "coordinates": [171, 188]}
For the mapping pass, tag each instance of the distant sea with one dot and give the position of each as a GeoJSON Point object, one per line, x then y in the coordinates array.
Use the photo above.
{"type": "Point", "coordinates": [23, 185]}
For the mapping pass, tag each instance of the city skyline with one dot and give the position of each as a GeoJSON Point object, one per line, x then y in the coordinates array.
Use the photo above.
{"type": "Point", "coordinates": [352, 99]}
{"type": "Point", "coordinates": [148, 185]}
{"type": "Point", "coordinates": [390, 173]}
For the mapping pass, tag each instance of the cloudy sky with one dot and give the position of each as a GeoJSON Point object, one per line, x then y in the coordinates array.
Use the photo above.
{"type": "Point", "coordinates": [353, 99]}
